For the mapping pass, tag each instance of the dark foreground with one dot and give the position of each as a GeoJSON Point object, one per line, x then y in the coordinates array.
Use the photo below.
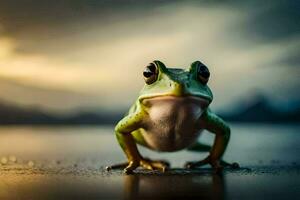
{"type": "Point", "coordinates": [68, 163]}
{"type": "Point", "coordinates": [85, 183]}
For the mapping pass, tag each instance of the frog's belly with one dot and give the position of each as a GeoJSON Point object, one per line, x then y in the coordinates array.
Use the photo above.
{"type": "Point", "coordinates": [172, 122]}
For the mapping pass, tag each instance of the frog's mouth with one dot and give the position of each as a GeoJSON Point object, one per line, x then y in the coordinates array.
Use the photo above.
{"type": "Point", "coordinates": [202, 102]}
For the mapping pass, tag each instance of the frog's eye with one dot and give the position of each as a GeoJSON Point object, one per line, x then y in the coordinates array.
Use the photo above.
{"type": "Point", "coordinates": [203, 73]}
{"type": "Point", "coordinates": [150, 73]}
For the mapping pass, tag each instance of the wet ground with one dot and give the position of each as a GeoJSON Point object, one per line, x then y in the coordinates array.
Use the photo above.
{"type": "Point", "coordinates": [68, 163]}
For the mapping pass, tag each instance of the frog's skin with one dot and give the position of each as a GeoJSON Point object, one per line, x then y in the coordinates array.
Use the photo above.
{"type": "Point", "coordinates": [169, 115]}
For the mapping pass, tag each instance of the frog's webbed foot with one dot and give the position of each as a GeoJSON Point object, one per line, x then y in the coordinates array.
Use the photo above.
{"type": "Point", "coordinates": [163, 164]}
{"type": "Point", "coordinates": [117, 166]}
{"type": "Point", "coordinates": [145, 163]}
{"type": "Point", "coordinates": [233, 165]}
{"type": "Point", "coordinates": [218, 165]}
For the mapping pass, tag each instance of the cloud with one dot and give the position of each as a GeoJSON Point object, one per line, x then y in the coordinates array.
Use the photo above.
{"type": "Point", "coordinates": [58, 100]}
{"type": "Point", "coordinates": [6, 47]}
{"type": "Point", "coordinates": [103, 57]}
{"type": "Point", "coordinates": [274, 21]}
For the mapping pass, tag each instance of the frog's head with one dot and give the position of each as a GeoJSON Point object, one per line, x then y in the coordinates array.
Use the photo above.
{"type": "Point", "coordinates": [163, 81]}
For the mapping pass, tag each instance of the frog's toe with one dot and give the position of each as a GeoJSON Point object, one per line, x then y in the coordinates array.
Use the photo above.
{"type": "Point", "coordinates": [144, 163]}
{"type": "Point", "coordinates": [155, 165]}
{"type": "Point", "coordinates": [116, 166]}
{"type": "Point", "coordinates": [192, 165]}
{"type": "Point", "coordinates": [165, 163]}
{"type": "Point", "coordinates": [128, 171]}
{"type": "Point", "coordinates": [189, 165]}
{"type": "Point", "coordinates": [159, 164]}
{"type": "Point", "coordinates": [216, 165]}
{"type": "Point", "coordinates": [233, 165]}
{"type": "Point", "coordinates": [131, 166]}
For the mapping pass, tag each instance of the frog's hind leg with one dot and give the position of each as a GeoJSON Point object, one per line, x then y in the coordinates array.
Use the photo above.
{"type": "Point", "coordinates": [217, 126]}
{"type": "Point", "coordinates": [200, 147]}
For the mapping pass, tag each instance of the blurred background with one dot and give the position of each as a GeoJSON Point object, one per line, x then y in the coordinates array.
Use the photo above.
{"type": "Point", "coordinates": [81, 62]}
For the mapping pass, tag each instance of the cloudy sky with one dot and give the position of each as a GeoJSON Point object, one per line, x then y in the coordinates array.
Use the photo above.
{"type": "Point", "coordinates": [71, 54]}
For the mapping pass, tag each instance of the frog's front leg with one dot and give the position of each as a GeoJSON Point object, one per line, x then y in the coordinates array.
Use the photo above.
{"type": "Point", "coordinates": [215, 125]}
{"type": "Point", "coordinates": [127, 142]}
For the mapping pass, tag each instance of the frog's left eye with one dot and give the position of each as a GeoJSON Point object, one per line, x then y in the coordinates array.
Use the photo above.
{"type": "Point", "coordinates": [150, 73]}
{"type": "Point", "coordinates": [203, 73]}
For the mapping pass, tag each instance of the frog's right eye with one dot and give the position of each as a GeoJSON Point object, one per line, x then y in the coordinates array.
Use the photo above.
{"type": "Point", "coordinates": [203, 73]}
{"type": "Point", "coordinates": [150, 73]}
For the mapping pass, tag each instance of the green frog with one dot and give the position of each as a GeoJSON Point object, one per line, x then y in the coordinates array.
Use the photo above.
{"type": "Point", "coordinates": [169, 115]}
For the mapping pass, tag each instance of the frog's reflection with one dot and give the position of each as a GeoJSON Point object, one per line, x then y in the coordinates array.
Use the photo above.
{"type": "Point", "coordinates": [175, 186]}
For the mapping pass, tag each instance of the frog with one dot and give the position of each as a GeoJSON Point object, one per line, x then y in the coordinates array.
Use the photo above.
{"type": "Point", "coordinates": [169, 115]}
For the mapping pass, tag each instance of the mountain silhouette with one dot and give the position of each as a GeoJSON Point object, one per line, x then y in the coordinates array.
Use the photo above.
{"type": "Point", "coordinates": [258, 108]}
{"type": "Point", "coordinates": [13, 114]}
{"type": "Point", "coordinates": [254, 109]}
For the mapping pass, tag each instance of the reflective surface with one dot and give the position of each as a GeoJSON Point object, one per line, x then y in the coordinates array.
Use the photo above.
{"type": "Point", "coordinates": [67, 163]}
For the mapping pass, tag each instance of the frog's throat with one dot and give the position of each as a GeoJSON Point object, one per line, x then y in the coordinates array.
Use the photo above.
{"type": "Point", "coordinates": [172, 122]}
